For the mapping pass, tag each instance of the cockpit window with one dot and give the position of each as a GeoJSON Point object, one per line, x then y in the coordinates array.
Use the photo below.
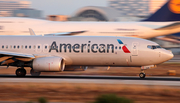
{"type": "Point", "coordinates": [149, 46]}
{"type": "Point", "coordinates": [158, 46]}
{"type": "Point", "coordinates": [153, 46]}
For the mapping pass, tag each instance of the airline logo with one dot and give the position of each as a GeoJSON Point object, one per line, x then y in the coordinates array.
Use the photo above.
{"type": "Point", "coordinates": [174, 6]}
{"type": "Point", "coordinates": [125, 49]}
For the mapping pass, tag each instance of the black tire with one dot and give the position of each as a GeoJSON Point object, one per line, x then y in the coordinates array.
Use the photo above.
{"type": "Point", "coordinates": [33, 73]}
{"type": "Point", "coordinates": [142, 75]}
{"type": "Point", "coordinates": [85, 68]}
{"type": "Point", "coordinates": [21, 72]}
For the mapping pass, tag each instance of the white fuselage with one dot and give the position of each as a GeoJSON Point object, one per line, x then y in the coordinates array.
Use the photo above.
{"type": "Point", "coordinates": [20, 26]}
{"type": "Point", "coordinates": [88, 50]}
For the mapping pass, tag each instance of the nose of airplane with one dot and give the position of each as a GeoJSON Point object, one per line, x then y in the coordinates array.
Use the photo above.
{"type": "Point", "coordinates": [167, 55]}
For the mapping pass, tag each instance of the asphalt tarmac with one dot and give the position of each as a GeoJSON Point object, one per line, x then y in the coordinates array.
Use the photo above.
{"type": "Point", "coordinates": [164, 81]}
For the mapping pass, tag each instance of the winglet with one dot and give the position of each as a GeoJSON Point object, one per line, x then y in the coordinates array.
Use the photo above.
{"type": "Point", "coordinates": [31, 32]}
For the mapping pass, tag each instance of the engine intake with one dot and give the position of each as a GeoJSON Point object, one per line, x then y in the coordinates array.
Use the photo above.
{"type": "Point", "coordinates": [53, 64]}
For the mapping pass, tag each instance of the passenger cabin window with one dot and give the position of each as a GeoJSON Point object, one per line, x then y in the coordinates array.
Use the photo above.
{"type": "Point", "coordinates": [2, 46]}
{"type": "Point", "coordinates": [45, 47]}
{"type": "Point", "coordinates": [39, 47]}
{"type": "Point", "coordinates": [26, 47]}
{"type": "Point", "coordinates": [18, 46]}
{"type": "Point", "coordinates": [14, 47]}
{"type": "Point", "coordinates": [29, 47]}
{"type": "Point", "coordinates": [6, 46]}
{"type": "Point", "coordinates": [153, 46]}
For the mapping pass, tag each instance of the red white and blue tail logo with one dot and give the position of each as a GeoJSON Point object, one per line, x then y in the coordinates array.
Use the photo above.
{"type": "Point", "coordinates": [124, 48]}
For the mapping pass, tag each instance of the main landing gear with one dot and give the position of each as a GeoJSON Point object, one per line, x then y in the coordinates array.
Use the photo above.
{"type": "Point", "coordinates": [34, 73]}
{"type": "Point", "coordinates": [20, 72]}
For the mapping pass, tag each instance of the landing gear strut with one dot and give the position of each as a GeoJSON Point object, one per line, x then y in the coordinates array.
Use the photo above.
{"type": "Point", "coordinates": [20, 72]}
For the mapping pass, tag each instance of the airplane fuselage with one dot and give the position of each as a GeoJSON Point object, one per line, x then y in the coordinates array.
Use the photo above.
{"type": "Point", "coordinates": [85, 51]}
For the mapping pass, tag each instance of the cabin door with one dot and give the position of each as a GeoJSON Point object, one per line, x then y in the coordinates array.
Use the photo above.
{"type": "Point", "coordinates": [134, 51]}
{"type": "Point", "coordinates": [135, 48]}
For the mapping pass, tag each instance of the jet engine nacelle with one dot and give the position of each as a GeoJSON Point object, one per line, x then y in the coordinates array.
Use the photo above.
{"type": "Point", "coordinates": [44, 64]}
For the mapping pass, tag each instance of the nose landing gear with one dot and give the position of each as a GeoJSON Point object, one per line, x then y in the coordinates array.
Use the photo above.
{"type": "Point", "coordinates": [142, 74]}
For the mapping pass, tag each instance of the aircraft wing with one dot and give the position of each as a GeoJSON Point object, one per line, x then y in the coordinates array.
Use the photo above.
{"type": "Point", "coordinates": [59, 34]}
{"type": "Point", "coordinates": [170, 38]}
{"type": "Point", "coordinates": [65, 33]}
{"type": "Point", "coordinates": [7, 57]}
{"type": "Point", "coordinates": [170, 27]}
{"type": "Point", "coordinates": [174, 30]}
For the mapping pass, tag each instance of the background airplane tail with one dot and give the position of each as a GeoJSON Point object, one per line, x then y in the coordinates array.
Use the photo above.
{"type": "Point", "coordinates": [169, 12]}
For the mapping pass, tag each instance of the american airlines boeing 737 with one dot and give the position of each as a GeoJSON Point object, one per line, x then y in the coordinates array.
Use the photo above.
{"type": "Point", "coordinates": [143, 29]}
{"type": "Point", "coordinates": [57, 53]}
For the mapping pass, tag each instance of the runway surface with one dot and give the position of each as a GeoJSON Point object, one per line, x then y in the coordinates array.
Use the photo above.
{"type": "Point", "coordinates": [164, 81]}
{"type": "Point", "coordinates": [26, 102]}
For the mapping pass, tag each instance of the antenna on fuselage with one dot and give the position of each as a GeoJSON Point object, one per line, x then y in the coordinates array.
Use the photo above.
{"type": "Point", "coordinates": [31, 32]}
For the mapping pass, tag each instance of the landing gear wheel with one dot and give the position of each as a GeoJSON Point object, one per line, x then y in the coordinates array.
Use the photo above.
{"type": "Point", "coordinates": [21, 72]}
{"type": "Point", "coordinates": [33, 73]}
{"type": "Point", "coordinates": [142, 75]}
{"type": "Point", "coordinates": [84, 68]}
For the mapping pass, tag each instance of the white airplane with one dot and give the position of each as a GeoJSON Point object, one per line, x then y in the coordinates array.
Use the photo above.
{"type": "Point", "coordinates": [144, 29]}
{"type": "Point", "coordinates": [19, 26]}
{"type": "Point", "coordinates": [58, 53]}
